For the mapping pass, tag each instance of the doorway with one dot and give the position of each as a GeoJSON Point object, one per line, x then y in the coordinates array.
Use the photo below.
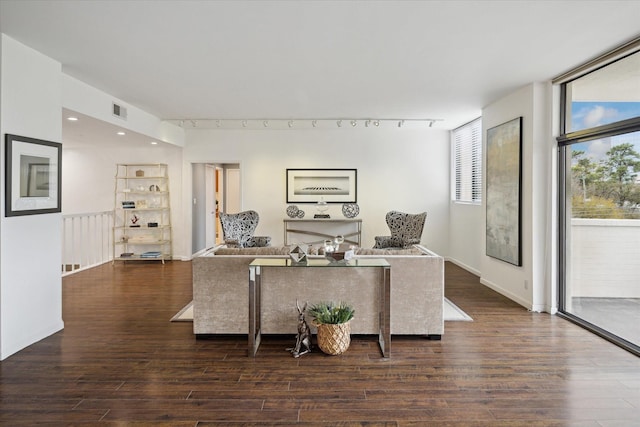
{"type": "Point", "coordinates": [216, 189]}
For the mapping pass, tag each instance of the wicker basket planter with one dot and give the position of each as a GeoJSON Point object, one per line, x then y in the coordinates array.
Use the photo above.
{"type": "Point", "coordinates": [334, 339]}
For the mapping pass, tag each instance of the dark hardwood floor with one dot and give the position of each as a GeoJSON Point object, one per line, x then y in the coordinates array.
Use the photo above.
{"type": "Point", "coordinates": [119, 361]}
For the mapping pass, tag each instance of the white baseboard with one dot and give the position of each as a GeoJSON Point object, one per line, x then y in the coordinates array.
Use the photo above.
{"type": "Point", "coordinates": [506, 293]}
{"type": "Point", "coordinates": [463, 266]}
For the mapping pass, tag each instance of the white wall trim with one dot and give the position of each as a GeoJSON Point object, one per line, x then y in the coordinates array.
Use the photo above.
{"type": "Point", "coordinates": [464, 266]}
{"type": "Point", "coordinates": [512, 296]}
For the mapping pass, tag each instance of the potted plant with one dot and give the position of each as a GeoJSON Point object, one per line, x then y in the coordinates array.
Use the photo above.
{"type": "Point", "coordinates": [333, 323]}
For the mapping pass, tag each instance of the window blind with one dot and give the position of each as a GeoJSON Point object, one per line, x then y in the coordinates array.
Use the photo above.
{"type": "Point", "coordinates": [467, 146]}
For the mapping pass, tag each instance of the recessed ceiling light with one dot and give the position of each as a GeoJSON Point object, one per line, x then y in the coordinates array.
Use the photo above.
{"type": "Point", "coordinates": [72, 119]}
{"type": "Point", "coordinates": [154, 143]}
{"type": "Point", "coordinates": [121, 133]}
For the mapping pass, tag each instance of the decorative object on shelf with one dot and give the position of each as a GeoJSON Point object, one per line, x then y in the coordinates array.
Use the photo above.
{"type": "Point", "coordinates": [322, 207]}
{"type": "Point", "coordinates": [292, 211]}
{"type": "Point", "coordinates": [300, 214]}
{"type": "Point", "coordinates": [151, 254]}
{"type": "Point", "coordinates": [134, 221]}
{"type": "Point", "coordinates": [128, 204]}
{"type": "Point", "coordinates": [334, 327]}
{"type": "Point", "coordinates": [152, 224]}
{"type": "Point", "coordinates": [154, 187]}
{"type": "Point", "coordinates": [350, 210]}
{"type": "Point", "coordinates": [141, 204]}
{"type": "Point", "coordinates": [303, 337]}
{"type": "Point", "coordinates": [139, 173]}
{"type": "Point", "coordinates": [140, 188]}
{"type": "Point", "coordinates": [298, 254]}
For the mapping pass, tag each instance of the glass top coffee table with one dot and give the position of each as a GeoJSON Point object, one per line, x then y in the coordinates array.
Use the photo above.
{"type": "Point", "coordinates": [255, 289]}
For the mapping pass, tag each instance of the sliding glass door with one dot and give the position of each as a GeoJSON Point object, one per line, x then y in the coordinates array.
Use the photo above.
{"type": "Point", "coordinates": [599, 158]}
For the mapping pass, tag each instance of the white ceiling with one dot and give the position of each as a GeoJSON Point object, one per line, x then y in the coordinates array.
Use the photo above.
{"type": "Point", "coordinates": [318, 59]}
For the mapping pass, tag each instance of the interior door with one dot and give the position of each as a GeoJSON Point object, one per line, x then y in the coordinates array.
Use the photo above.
{"type": "Point", "coordinates": [210, 202]}
{"type": "Point", "coordinates": [219, 197]}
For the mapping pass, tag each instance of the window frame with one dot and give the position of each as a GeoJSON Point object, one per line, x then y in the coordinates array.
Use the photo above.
{"type": "Point", "coordinates": [466, 163]}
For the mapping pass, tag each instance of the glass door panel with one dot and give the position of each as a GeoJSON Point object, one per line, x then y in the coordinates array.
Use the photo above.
{"type": "Point", "coordinates": [602, 234]}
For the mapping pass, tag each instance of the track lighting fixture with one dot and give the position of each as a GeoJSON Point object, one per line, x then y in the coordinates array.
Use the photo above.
{"type": "Point", "coordinates": [303, 123]}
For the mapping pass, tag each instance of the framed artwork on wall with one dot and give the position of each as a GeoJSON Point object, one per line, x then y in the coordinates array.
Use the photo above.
{"type": "Point", "coordinates": [504, 200]}
{"type": "Point", "coordinates": [329, 185]}
{"type": "Point", "coordinates": [33, 176]}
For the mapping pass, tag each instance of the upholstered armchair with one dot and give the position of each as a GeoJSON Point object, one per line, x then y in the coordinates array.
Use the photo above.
{"type": "Point", "coordinates": [406, 230]}
{"type": "Point", "coordinates": [238, 229]}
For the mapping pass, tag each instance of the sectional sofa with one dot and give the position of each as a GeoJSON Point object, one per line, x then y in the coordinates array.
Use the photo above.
{"type": "Point", "coordinates": [220, 291]}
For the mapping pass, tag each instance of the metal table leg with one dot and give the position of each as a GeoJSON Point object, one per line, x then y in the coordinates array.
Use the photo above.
{"type": "Point", "coordinates": [254, 310]}
{"type": "Point", "coordinates": [384, 338]}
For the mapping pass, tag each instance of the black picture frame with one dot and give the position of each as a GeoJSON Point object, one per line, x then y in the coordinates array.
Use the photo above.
{"type": "Point", "coordinates": [504, 192]}
{"type": "Point", "coordinates": [33, 176]}
{"type": "Point", "coordinates": [328, 185]}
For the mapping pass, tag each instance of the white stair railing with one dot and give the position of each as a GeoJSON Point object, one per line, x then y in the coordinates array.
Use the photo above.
{"type": "Point", "coordinates": [86, 240]}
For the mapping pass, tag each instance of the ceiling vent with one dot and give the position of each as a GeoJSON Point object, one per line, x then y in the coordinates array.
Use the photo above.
{"type": "Point", "coordinates": [119, 111]}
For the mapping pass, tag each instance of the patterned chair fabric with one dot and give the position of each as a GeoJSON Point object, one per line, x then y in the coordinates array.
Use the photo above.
{"type": "Point", "coordinates": [238, 229]}
{"type": "Point", "coordinates": [406, 230]}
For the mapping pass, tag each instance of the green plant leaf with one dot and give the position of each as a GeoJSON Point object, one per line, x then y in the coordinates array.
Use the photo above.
{"type": "Point", "coordinates": [331, 312]}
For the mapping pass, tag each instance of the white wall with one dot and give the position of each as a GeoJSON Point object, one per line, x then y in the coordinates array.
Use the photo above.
{"type": "Point", "coordinates": [30, 249]}
{"type": "Point", "coordinates": [527, 284]}
{"type": "Point", "coordinates": [466, 234]}
{"type": "Point", "coordinates": [401, 169]}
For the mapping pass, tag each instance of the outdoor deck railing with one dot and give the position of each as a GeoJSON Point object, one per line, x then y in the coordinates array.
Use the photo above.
{"type": "Point", "coordinates": [605, 254]}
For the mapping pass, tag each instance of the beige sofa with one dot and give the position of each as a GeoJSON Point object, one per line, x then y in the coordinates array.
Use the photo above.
{"type": "Point", "coordinates": [220, 291]}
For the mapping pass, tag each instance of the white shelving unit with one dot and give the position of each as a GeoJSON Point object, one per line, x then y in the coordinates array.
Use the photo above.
{"type": "Point", "coordinates": [142, 213]}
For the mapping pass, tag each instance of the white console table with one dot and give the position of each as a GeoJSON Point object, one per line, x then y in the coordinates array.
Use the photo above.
{"type": "Point", "coordinates": [322, 229]}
